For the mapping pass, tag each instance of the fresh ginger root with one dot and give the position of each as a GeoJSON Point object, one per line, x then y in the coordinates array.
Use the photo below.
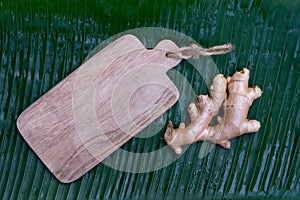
{"type": "Point", "coordinates": [234, 122]}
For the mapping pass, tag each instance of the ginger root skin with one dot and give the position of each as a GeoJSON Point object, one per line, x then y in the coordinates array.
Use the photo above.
{"type": "Point", "coordinates": [234, 122]}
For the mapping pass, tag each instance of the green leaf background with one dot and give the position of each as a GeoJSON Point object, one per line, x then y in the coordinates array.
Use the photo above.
{"type": "Point", "coordinates": [41, 42]}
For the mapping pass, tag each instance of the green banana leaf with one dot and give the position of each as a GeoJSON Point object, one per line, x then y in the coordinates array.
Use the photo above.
{"type": "Point", "coordinates": [41, 42]}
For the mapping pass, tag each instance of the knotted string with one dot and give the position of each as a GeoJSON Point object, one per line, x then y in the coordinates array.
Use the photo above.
{"type": "Point", "coordinates": [194, 51]}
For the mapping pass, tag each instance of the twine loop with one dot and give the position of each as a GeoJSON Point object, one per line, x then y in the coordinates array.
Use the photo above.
{"type": "Point", "coordinates": [194, 51]}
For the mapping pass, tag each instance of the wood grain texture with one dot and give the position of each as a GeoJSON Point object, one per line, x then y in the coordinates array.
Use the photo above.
{"type": "Point", "coordinates": [100, 106]}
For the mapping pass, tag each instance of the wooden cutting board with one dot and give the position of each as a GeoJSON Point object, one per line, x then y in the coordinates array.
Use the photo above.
{"type": "Point", "coordinates": [100, 106]}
